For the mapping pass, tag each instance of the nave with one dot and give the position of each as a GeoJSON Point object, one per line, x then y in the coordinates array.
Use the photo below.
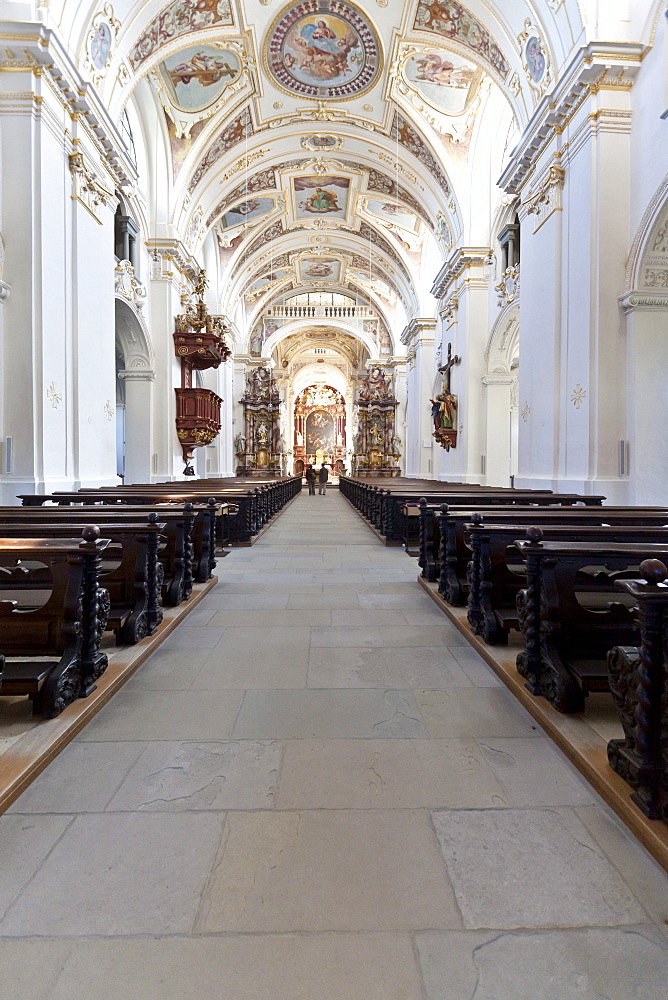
{"type": "Point", "coordinates": [315, 790]}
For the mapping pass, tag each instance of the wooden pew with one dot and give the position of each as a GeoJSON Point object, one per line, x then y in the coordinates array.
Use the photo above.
{"type": "Point", "coordinates": [176, 555]}
{"type": "Point", "coordinates": [496, 575]}
{"type": "Point", "coordinates": [129, 572]}
{"type": "Point", "coordinates": [639, 684]}
{"type": "Point", "coordinates": [68, 626]}
{"type": "Point", "coordinates": [566, 643]}
{"type": "Point", "coordinates": [449, 535]}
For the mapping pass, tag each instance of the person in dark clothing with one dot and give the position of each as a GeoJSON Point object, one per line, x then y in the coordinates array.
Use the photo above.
{"type": "Point", "coordinates": [310, 479]}
{"type": "Point", "coordinates": [323, 476]}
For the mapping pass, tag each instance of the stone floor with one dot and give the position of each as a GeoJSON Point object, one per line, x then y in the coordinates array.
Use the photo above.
{"type": "Point", "coordinates": [315, 790]}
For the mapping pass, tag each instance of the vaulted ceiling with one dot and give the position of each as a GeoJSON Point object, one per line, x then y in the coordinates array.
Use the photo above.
{"type": "Point", "coordinates": [323, 145]}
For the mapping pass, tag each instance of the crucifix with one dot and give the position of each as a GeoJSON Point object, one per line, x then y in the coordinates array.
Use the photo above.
{"type": "Point", "coordinates": [446, 369]}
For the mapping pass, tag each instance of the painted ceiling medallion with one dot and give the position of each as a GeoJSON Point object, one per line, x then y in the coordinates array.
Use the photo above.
{"type": "Point", "coordinates": [324, 49]}
{"type": "Point", "coordinates": [195, 76]}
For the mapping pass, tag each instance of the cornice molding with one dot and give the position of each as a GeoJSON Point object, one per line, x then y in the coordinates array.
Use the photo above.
{"type": "Point", "coordinates": [594, 67]}
{"type": "Point", "coordinates": [43, 54]}
{"type": "Point", "coordinates": [458, 262]}
{"type": "Point", "coordinates": [175, 251]}
{"type": "Point", "coordinates": [417, 328]}
{"type": "Point", "coordinates": [136, 375]}
{"type": "Point", "coordinates": [644, 299]}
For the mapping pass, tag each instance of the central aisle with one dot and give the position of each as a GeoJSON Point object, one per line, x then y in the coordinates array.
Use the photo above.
{"type": "Point", "coordinates": [315, 790]}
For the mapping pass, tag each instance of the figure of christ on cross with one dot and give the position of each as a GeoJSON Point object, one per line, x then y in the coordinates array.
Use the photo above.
{"type": "Point", "coordinates": [444, 407]}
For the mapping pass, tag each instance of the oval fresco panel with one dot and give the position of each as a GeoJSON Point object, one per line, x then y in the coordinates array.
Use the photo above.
{"type": "Point", "coordinates": [331, 52]}
{"type": "Point", "coordinates": [446, 80]}
{"type": "Point", "coordinates": [195, 77]}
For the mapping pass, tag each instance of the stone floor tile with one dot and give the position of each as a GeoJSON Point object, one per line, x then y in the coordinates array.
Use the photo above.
{"type": "Point", "coordinates": [531, 868]}
{"type": "Point", "coordinates": [406, 587]}
{"type": "Point", "coordinates": [436, 633]}
{"type": "Point", "coordinates": [120, 873]}
{"type": "Point", "coordinates": [588, 964]}
{"type": "Point", "coordinates": [241, 967]}
{"type": "Point", "coordinates": [252, 658]}
{"type": "Point", "coordinates": [402, 601]}
{"type": "Point", "coordinates": [475, 668]}
{"type": "Point", "coordinates": [196, 776]}
{"type": "Point", "coordinates": [535, 773]}
{"type": "Point", "coordinates": [344, 599]}
{"type": "Point", "coordinates": [82, 778]}
{"type": "Point", "coordinates": [333, 636]}
{"type": "Point", "coordinates": [265, 619]}
{"type": "Point", "coordinates": [164, 715]}
{"type": "Point", "coordinates": [328, 870]}
{"type": "Point", "coordinates": [374, 617]}
{"type": "Point", "coordinates": [426, 616]}
{"type": "Point", "coordinates": [25, 841]}
{"type": "Point", "coordinates": [240, 586]}
{"type": "Point", "coordinates": [266, 600]}
{"type": "Point", "coordinates": [357, 714]}
{"type": "Point", "coordinates": [31, 968]}
{"type": "Point", "coordinates": [279, 584]}
{"type": "Point", "coordinates": [639, 869]}
{"type": "Point", "coordinates": [201, 615]}
{"type": "Point", "coordinates": [169, 669]}
{"type": "Point", "coordinates": [185, 637]}
{"type": "Point", "coordinates": [387, 774]}
{"type": "Point", "coordinates": [484, 712]}
{"type": "Point", "coordinates": [385, 667]}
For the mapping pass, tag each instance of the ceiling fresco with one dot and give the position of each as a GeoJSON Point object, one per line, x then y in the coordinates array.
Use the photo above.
{"type": "Point", "coordinates": [325, 49]}
{"type": "Point", "coordinates": [313, 142]}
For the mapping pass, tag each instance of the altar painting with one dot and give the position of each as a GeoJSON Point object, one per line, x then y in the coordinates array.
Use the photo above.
{"type": "Point", "coordinates": [446, 80]}
{"type": "Point", "coordinates": [320, 433]}
{"type": "Point", "coordinates": [325, 196]}
{"type": "Point", "coordinates": [244, 211]}
{"type": "Point", "coordinates": [195, 77]}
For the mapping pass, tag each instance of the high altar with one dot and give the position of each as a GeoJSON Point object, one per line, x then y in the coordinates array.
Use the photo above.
{"type": "Point", "coordinates": [376, 443]}
{"type": "Point", "coordinates": [259, 449]}
{"type": "Point", "coordinates": [320, 429]}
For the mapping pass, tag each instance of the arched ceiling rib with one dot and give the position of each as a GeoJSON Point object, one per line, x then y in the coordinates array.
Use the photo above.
{"type": "Point", "coordinates": [327, 133]}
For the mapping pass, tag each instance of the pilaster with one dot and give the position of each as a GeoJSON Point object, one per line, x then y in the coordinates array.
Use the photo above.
{"type": "Point", "coordinates": [418, 338]}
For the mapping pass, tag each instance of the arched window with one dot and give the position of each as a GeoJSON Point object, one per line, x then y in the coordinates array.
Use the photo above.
{"type": "Point", "coordinates": [126, 231]}
{"type": "Point", "coordinates": [509, 239]}
{"type": "Point", "coordinates": [127, 137]}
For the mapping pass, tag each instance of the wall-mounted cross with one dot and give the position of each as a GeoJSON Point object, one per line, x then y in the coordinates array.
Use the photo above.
{"type": "Point", "coordinates": [446, 369]}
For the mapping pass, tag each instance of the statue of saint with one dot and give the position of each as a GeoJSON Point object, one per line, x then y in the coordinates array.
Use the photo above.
{"type": "Point", "coordinates": [240, 444]}
{"type": "Point", "coordinates": [444, 411]}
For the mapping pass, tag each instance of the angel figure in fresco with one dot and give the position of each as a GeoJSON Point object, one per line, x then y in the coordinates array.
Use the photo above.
{"type": "Point", "coordinates": [201, 67]}
{"type": "Point", "coordinates": [444, 411]}
{"type": "Point", "coordinates": [323, 54]}
{"type": "Point", "coordinates": [433, 68]}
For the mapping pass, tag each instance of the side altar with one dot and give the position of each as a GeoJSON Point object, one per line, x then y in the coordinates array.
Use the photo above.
{"type": "Point", "coordinates": [260, 449]}
{"type": "Point", "coordinates": [377, 446]}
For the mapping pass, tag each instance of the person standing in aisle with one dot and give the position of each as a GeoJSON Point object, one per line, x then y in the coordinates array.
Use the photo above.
{"type": "Point", "coordinates": [323, 476]}
{"type": "Point", "coordinates": [310, 479]}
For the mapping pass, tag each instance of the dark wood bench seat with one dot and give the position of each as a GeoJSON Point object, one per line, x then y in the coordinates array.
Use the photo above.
{"type": "Point", "coordinates": [638, 678]}
{"type": "Point", "coordinates": [129, 570]}
{"type": "Point", "coordinates": [177, 550]}
{"type": "Point", "coordinates": [565, 642]}
{"type": "Point", "coordinates": [496, 574]}
{"type": "Point", "coordinates": [446, 553]}
{"type": "Point", "coordinates": [64, 634]}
